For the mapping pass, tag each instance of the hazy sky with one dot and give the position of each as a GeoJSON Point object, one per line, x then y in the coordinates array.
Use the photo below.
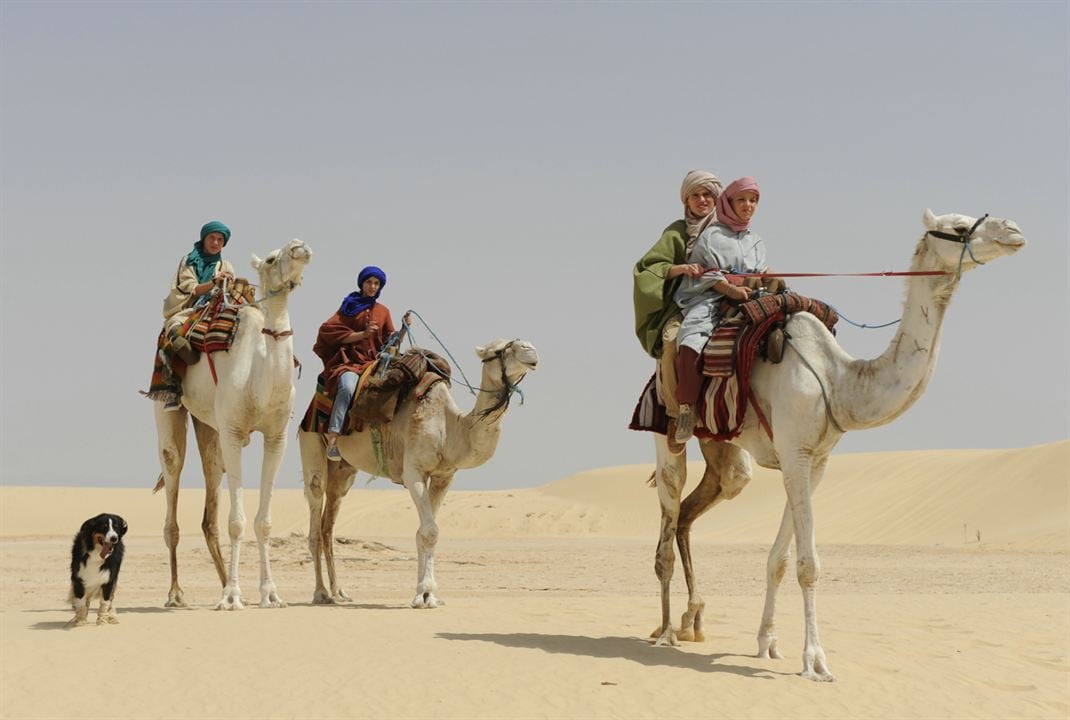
{"type": "Point", "coordinates": [506, 164]}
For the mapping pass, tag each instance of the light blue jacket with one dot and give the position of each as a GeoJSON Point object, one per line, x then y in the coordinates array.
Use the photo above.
{"type": "Point", "coordinates": [720, 248]}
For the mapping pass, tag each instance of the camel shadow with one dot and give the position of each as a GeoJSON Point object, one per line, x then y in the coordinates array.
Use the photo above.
{"type": "Point", "coordinates": [351, 606]}
{"type": "Point", "coordinates": [630, 648]}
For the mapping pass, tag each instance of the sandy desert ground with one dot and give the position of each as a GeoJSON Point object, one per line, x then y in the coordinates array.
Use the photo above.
{"type": "Point", "coordinates": [945, 593]}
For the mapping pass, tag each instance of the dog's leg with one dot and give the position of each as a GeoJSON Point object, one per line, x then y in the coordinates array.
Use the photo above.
{"type": "Point", "coordinates": [106, 614]}
{"type": "Point", "coordinates": [81, 611]}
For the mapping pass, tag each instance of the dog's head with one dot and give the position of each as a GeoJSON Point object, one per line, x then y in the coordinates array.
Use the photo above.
{"type": "Point", "coordinates": [105, 530]}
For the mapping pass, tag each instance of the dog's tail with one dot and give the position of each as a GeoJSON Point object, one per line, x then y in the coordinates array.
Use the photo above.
{"type": "Point", "coordinates": [159, 484]}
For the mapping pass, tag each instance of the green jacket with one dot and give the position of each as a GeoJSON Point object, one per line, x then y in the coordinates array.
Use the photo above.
{"type": "Point", "coordinates": [652, 295]}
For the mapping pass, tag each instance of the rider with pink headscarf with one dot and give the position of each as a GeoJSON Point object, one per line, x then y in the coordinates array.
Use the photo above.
{"type": "Point", "coordinates": [726, 246]}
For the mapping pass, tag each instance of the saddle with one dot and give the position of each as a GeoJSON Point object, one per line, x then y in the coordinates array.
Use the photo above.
{"type": "Point", "coordinates": [390, 381]}
{"type": "Point", "coordinates": [213, 328]}
{"type": "Point", "coordinates": [724, 400]}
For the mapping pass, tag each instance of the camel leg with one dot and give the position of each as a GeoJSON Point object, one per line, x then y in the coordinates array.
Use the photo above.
{"type": "Point", "coordinates": [797, 481]}
{"type": "Point", "coordinates": [776, 567]}
{"type": "Point", "coordinates": [212, 464]}
{"type": "Point", "coordinates": [728, 470]}
{"type": "Point", "coordinates": [231, 441]}
{"type": "Point", "coordinates": [670, 475]}
{"type": "Point", "coordinates": [274, 449]}
{"type": "Point", "coordinates": [436, 494]}
{"type": "Point", "coordinates": [426, 535]}
{"type": "Point", "coordinates": [171, 439]}
{"type": "Point", "coordinates": [314, 462]}
{"type": "Point", "coordinates": [339, 479]}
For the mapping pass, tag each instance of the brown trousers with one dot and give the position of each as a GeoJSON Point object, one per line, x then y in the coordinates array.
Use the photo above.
{"type": "Point", "coordinates": [689, 376]}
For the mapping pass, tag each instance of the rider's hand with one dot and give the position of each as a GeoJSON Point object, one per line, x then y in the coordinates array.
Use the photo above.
{"type": "Point", "coordinates": [738, 292]}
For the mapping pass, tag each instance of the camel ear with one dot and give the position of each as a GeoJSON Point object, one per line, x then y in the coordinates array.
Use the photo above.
{"type": "Point", "coordinates": [481, 352]}
{"type": "Point", "coordinates": [929, 220]}
{"type": "Point", "coordinates": [256, 262]}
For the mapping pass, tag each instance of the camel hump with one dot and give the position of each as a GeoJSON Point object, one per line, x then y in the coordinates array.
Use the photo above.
{"type": "Point", "coordinates": [413, 364]}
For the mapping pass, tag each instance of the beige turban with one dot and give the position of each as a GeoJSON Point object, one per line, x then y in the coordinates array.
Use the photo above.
{"type": "Point", "coordinates": [693, 182]}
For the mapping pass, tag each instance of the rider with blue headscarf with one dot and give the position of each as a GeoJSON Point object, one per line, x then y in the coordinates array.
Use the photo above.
{"type": "Point", "coordinates": [349, 342]}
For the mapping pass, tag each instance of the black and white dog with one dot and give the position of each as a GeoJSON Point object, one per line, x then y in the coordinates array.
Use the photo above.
{"type": "Point", "coordinates": [96, 555]}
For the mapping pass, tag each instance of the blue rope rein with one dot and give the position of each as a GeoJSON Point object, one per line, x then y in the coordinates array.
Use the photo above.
{"type": "Point", "coordinates": [412, 343]}
{"type": "Point", "coordinates": [863, 326]}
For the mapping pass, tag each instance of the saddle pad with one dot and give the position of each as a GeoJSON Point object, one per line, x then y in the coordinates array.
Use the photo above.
{"type": "Point", "coordinates": [758, 311]}
{"type": "Point", "coordinates": [719, 353]}
{"type": "Point", "coordinates": [318, 416]}
{"type": "Point", "coordinates": [212, 330]}
{"type": "Point", "coordinates": [650, 414]}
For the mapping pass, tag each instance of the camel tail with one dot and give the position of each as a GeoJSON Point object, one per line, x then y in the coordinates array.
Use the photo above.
{"type": "Point", "coordinates": [159, 484]}
{"type": "Point", "coordinates": [651, 481]}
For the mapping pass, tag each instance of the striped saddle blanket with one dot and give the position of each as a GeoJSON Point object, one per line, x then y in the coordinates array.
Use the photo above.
{"type": "Point", "coordinates": [213, 329]}
{"type": "Point", "coordinates": [727, 360]}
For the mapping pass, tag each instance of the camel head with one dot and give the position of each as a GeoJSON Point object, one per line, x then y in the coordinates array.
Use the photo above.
{"type": "Point", "coordinates": [505, 363]}
{"type": "Point", "coordinates": [951, 241]}
{"type": "Point", "coordinates": [280, 272]}
{"type": "Point", "coordinates": [516, 357]}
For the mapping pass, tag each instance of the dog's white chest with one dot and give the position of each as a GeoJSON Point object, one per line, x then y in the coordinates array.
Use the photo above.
{"type": "Point", "coordinates": [94, 574]}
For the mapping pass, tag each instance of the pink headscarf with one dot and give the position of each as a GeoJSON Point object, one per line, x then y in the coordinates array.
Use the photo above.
{"type": "Point", "coordinates": [725, 213]}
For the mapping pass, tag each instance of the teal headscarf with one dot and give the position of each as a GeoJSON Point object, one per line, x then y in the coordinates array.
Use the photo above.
{"type": "Point", "coordinates": [216, 226]}
{"type": "Point", "coordinates": [201, 262]}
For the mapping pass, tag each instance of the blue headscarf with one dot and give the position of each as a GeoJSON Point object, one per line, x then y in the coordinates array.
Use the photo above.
{"type": "Point", "coordinates": [201, 262]}
{"type": "Point", "coordinates": [356, 301]}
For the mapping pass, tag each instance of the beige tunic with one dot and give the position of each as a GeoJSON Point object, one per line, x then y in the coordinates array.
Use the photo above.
{"type": "Point", "coordinates": [183, 284]}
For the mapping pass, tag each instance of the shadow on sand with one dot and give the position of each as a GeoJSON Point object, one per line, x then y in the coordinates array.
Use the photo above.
{"type": "Point", "coordinates": [630, 648]}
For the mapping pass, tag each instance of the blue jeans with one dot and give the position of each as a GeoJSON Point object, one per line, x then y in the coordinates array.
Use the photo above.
{"type": "Point", "coordinates": [347, 385]}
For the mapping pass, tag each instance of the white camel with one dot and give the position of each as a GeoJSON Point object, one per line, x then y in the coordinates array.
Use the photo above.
{"type": "Point", "coordinates": [254, 394]}
{"type": "Point", "coordinates": [426, 443]}
{"type": "Point", "coordinates": [816, 394]}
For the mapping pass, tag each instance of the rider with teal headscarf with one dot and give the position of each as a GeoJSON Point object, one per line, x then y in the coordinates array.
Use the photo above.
{"type": "Point", "coordinates": [199, 272]}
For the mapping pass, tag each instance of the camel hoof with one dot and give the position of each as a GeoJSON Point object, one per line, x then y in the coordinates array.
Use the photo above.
{"type": "Point", "coordinates": [815, 666]}
{"type": "Point", "coordinates": [665, 637]}
{"type": "Point", "coordinates": [426, 601]}
{"type": "Point", "coordinates": [272, 600]}
{"type": "Point", "coordinates": [176, 599]}
{"type": "Point", "coordinates": [322, 599]}
{"type": "Point", "coordinates": [691, 635]}
{"type": "Point", "coordinates": [76, 621]}
{"type": "Point", "coordinates": [230, 601]}
{"type": "Point", "coordinates": [342, 597]}
{"type": "Point", "coordinates": [767, 649]}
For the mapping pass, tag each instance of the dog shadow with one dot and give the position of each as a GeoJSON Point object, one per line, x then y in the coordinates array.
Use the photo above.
{"type": "Point", "coordinates": [637, 650]}
{"type": "Point", "coordinates": [91, 620]}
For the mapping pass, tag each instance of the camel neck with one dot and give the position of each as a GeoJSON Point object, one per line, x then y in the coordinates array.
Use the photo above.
{"type": "Point", "coordinates": [880, 390]}
{"type": "Point", "coordinates": [276, 313]}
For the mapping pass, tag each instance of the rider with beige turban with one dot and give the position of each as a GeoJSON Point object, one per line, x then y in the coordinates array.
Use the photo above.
{"type": "Point", "coordinates": [658, 273]}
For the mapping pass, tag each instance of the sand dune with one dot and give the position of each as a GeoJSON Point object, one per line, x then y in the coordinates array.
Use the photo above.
{"type": "Point", "coordinates": [551, 597]}
{"type": "Point", "coordinates": [1017, 496]}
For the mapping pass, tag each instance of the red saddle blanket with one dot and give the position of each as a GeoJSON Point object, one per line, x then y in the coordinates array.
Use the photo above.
{"type": "Point", "coordinates": [728, 364]}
